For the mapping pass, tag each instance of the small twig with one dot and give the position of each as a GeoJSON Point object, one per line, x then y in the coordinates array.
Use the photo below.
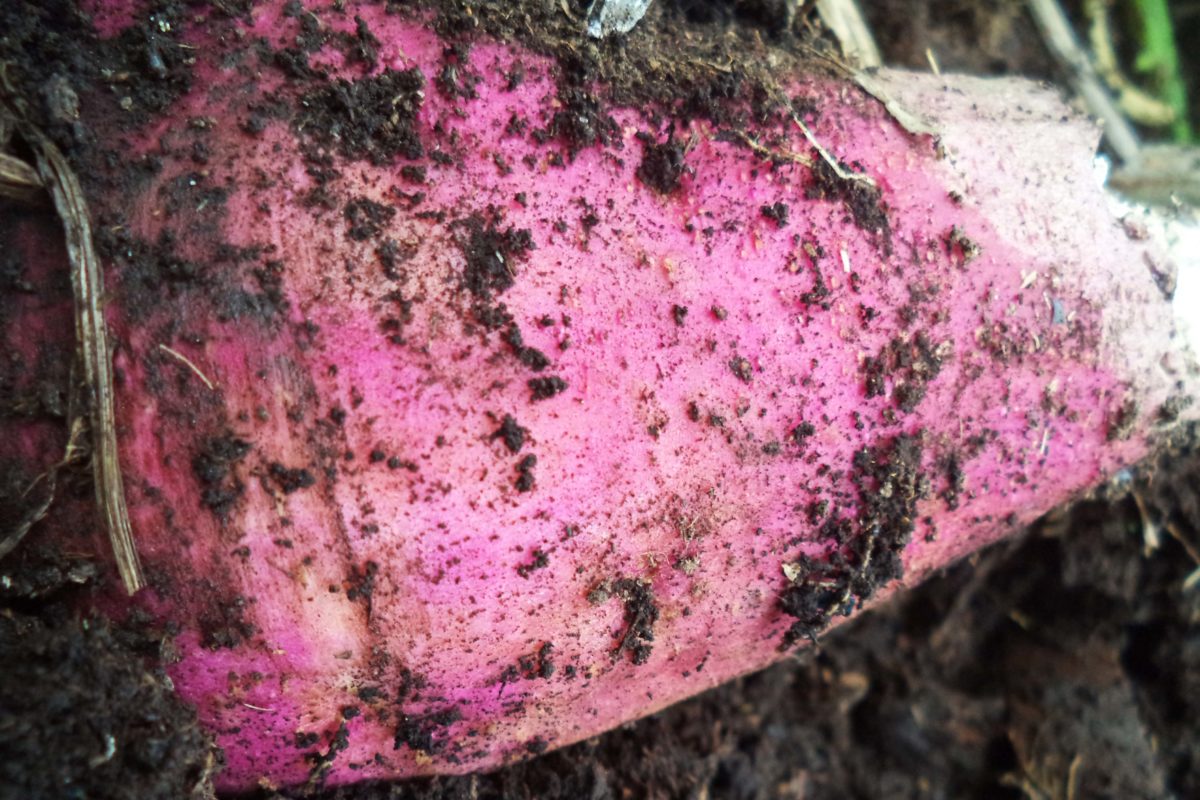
{"type": "Point", "coordinates": [933, 62]}
{"type": "Point", "coordinates": [772, 155]}
{"type": "Point", "coordinates": [825, 154]}
{"type": "Point", "coordinates": [1073, 777]}
{"type": "Point", "coordinates": [1188, 547]}
{"type": "Point", "coordinates": [189, 364]}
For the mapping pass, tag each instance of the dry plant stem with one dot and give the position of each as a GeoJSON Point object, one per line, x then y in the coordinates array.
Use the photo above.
{"type": "Point", "coordinates": [1062, 42]}
{"type": "Point", "coordinates": [908, 119]}
{"type": "Point", "coordinates": [846, 21]}
{"type": "Point", "coordinates": [87, 285]}
{"type": "Point", "coordinates": [32, 516]}
{"type": "Point", "coordinates": [49, 482]}
{"type": "Point", "coordinates": [768, 154]}
{"type": "Point", "coordinates": [18, 181]}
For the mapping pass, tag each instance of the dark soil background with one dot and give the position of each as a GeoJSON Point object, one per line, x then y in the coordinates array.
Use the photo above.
{"type": "Point", "coordinates": [1063, 664]}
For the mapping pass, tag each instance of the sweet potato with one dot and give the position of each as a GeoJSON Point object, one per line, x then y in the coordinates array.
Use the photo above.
{"type": "Point", "coordinates": [466, 410]}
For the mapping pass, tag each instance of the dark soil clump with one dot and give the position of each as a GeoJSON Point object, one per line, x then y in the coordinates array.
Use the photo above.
{"type": "Point", "coordinates": [777, 212]}
{"type": "Point", "coordinates": [511, 433]}
{"type": "Point", "coordinates": [370, 119]}
{"type": "Point", "coordinates": [582, 122]}
{"type": "Point", "coordinates": [545, 388]}
{"type": "Point", "coordinates": [862, 199]}
{"type": "Point", "coordinates": [641, 612]}
{"type": "Point", "coordinates": [366, 218]}
{"type": "Point", "coordinates": [426, 733]}
{"type": "Point", "coordinates": [491, 255]}
{"type": "Point", "coordinates": [226, 626]}
{"type": "Point", "coordinates": [81, 714]}
{"type": "Point", "coordinates": [663, 166]}
{"type": "Point", "coordinates": [290, 479]}
{"type": "Point", "coordinates": [890, 482]}
{"type": "Point", "coordinates": [525, 480]}
{"type": "Point", "coordinates": [212, 466]}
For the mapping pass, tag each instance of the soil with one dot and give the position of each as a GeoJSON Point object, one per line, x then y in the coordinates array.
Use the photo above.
{"type": "Point", "coordinates": [1063, 663]}
{"type": "Point", "coordinates": [86, 709]}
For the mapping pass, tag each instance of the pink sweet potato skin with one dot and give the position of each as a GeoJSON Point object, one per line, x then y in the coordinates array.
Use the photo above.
{"type": "Point", "coordinates": [349, 549]}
